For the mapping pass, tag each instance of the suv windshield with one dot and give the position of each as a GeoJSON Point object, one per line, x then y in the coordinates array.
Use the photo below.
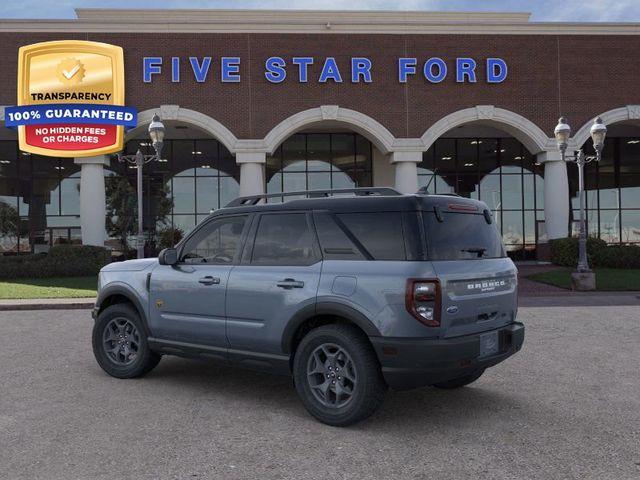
{"type": "Point", "coordinates": [461, 236]}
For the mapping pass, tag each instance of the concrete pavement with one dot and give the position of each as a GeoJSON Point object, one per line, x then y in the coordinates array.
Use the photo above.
{"type": "Point", "coordinates": [567, 406]}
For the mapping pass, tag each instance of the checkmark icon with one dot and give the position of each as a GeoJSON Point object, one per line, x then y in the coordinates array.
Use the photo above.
{"type": "Point", "coordinates": [71, 73]}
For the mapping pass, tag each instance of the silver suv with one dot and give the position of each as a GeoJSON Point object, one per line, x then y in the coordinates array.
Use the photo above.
{"type": "Point", "coordinates": [348, 294]}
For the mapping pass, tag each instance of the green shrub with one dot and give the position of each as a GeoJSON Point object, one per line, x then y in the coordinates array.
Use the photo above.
{"type": "Point", "coordinates": [564, 252]}
{"type": "Point", "coordinates": [618, 256]}
{"type": "Point", "coordinates": [61, 261]}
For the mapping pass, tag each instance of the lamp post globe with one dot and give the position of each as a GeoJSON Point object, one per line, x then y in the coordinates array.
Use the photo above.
{"type": "Point", "coordinates": [598, 133]}
{"type": "Point", "coordinates": [156, 133]}
{"type": "Point", "coordinates": [562, 133]}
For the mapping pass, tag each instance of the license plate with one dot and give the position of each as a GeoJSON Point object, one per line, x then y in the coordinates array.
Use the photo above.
{"type": "Point", "coordinates": [489, 343]}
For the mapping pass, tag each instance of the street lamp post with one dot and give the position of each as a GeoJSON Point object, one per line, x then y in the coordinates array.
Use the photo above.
{"type": "Point", "coordinates": [598, 132]}
{"type": "Point", "coordinates": [156, 133]}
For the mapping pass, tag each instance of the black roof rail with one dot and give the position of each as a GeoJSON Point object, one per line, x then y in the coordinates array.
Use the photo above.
{"type": "Point", "coordinates": [359, 192]}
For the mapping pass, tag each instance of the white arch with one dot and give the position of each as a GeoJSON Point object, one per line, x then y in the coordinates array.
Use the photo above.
{"type": "Point", "coordinates": [531, 136]}
{"type": "Point", "coordinates": [382, 138]}
{"type": "Point", "coordinates": [197, 119]}
{"type": "Point", "coordinates": [630, 112]}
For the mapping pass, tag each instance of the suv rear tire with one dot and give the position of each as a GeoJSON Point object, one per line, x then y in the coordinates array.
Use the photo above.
{"type": "Point", "coordinates": [120, 343]}
{"type": "Point", "coordinates": [337, 375]}
{"type": "Point", "coordinates": [459, 382]}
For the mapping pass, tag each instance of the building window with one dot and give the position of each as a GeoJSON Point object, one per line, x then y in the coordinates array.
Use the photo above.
{"type": "Point", "coordinates": [317, 161]}
{"type": "Point", "coordinates": [498, 171]}
{"type": "Point", "coordinates": [39, 201]}
{"type": "Point", "coordinates": [612, 191]}
{"type": "Point", "coordinates": [198, 176]}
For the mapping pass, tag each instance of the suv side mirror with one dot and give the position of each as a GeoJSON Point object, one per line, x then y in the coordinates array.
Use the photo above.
{"type": "Point", "coordinates": [168, 256]}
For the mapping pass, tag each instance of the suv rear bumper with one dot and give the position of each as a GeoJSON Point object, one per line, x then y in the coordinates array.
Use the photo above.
{"type": "Point", "coordinates": [412, 363]}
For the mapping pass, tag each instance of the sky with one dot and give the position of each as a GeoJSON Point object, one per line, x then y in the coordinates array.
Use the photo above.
{"type": "Point", "coordinates": [542, 10]}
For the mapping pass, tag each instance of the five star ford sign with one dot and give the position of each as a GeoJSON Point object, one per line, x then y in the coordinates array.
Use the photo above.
{"type": "Point", "coordinates": [70, 99]}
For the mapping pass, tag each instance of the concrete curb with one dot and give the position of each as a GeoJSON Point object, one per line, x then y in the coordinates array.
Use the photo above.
{"type": "Point", "coordinates": [47, 304]}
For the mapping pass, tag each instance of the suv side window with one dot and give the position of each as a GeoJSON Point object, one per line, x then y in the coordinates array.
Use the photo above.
{"type": "Point", "coordinates": [216, 243]}
{"type": "Point", "coordinates": [380, 233]}
{"type": "Point", "coordinates": [335, 243]}
{"type": "Point", "coordinates": [284, 239]}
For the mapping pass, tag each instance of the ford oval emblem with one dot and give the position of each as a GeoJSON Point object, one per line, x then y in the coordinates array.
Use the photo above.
{"type": "Point", "coordinates": [452, 309]}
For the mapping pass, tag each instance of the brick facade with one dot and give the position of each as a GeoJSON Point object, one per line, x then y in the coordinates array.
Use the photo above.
{"type": "Point", "coordinates": [575, 75]}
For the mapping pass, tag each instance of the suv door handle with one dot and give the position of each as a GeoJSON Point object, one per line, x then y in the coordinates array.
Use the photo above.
{"type": "Point", "coordinates": [209, 280]}
{"type": "Point", "coordinates": [290, 283]}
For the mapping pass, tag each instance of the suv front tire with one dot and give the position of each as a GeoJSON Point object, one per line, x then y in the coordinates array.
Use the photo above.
{"type": "Point", "coordinates": [120, 343]}
{"type": "Point", "coordinates": [337, 375]}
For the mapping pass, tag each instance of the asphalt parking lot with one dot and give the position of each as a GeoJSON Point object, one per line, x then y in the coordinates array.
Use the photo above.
{"type": "Point", "coordinates": [568, 406]}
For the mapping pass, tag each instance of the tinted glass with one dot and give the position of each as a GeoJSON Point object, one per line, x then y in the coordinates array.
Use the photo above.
{"type": "Point", "coordinates": [379, 233]}
{"type": "Point", "coordinates": [218, 243]}
{"type": "Point", "coordinates": [334, 242]}
{"type": "Point", "coordinates": [317, 161]}
{"type": "Point", "coordinates": [461, 236]}
{"type": "Point", "coordinates": [283, 239]}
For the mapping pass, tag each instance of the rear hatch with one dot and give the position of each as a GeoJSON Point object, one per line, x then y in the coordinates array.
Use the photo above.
{"type": "Point", "coordinates": [478, 281]}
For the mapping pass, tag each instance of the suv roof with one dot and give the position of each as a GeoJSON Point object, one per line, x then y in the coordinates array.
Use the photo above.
{"type": "Point", "coordinates": [365, 199]}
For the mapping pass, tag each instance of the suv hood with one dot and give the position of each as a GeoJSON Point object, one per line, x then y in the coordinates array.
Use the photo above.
{"type": "Point", "coordinates": [130, 265]}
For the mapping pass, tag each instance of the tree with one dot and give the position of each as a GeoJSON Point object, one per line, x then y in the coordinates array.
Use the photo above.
{"type": "Point", "coordinates": [122, 207]}
{"type": "Point", "coordinates": [168, 237]}
{"type": "Point", "coordinates": [9, 221]}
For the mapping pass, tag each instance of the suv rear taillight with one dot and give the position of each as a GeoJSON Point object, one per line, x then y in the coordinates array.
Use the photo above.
{"type": "Point", "coordinates": [422, 299]}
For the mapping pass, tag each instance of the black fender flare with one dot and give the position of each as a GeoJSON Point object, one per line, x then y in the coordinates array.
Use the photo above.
{"type": "Point", "coordinates": [127, 292]}
{"type": "Point", "coordinates": [326, 308]}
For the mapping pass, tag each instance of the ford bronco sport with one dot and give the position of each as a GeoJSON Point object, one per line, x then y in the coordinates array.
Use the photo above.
{"type": "Point", "coordinates": [348, 294]}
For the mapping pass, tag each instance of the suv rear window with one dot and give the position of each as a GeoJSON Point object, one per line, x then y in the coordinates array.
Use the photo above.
{"type": "Point", "coordinates": [461, 236]}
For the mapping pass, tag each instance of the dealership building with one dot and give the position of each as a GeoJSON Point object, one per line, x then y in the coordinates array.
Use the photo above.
{"type": "Point", "coordinates": [277, 101]}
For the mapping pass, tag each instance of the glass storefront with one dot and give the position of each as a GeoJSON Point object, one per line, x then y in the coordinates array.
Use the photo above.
{"type": "Point", "coordinates": [313, 161]}
{"type": "Point", "coordinates": [612, 189]}
{"type": "Point", "coordinates": [39, 200]}
{"type": "Point", "coordinates": [40, 196]}
{"type": "Point", "coordinates": [498, 171]}
{"type": "Point", "coordinates": [195, 176]}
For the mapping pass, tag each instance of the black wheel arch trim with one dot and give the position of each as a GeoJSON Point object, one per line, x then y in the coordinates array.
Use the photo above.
{"type": "Point", "coordinates": [125, 291]}
{"type": "Point", "coordinates": [326, 308]}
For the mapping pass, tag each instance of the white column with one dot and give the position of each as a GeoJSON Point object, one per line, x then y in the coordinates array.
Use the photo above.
{"type": "Point", "coordinates": [406, 166]}
{"type": "Point", "coordinates": [251, 172]}
{"type": "Point", "coordinates": [556, 194]}
{"type": "Point", "coordinates": [93, 208]}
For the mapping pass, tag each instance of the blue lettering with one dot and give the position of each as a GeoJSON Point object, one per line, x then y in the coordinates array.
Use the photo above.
{"type": "Point", "coordinates": [230, 69]}
{"type": "Point", "coordinates": [496, 70]}
{"type": "Point", "coordinates": [175, 69]}
{"type": "Point", "coordinates": [330, 71]}
{"type": "Point", "coordinates": [275, 69]}
{"type": "Point", "coordinates": [406, 66]}
{"type": "Point", "coordinates": [465, 67]}
{"type": "Point", "coordinates": [303, 64]}
{"type": "Point", "coordinates": [360, 67]}
{"type": "Point", "coordinates": [151, 66]}
{"type": "Point", "coordinates": [200, 71]}
{"type": "Point", "coordinates": [428, 70]}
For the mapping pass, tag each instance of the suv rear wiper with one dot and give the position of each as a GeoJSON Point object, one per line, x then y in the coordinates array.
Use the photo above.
{"type": "Point", "coordinates": [479, 250]}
